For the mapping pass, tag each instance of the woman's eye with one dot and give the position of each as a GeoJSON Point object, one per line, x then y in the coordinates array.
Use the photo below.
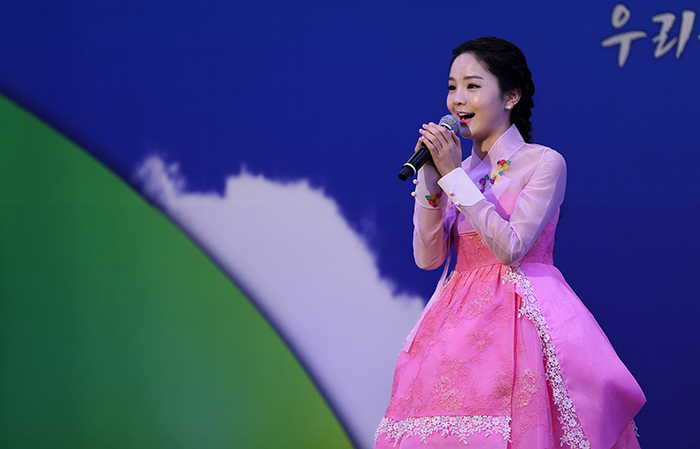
{"type": "Point", "coordinates": [451, 87]}
{"type": "Point", "coordinates": [472, 86]}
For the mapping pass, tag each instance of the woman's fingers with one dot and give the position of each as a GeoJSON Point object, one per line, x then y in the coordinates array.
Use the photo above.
{"type": "Point", "coordinates": [444, 146]}
{"type": "Point", "coordinates": [438, 136]}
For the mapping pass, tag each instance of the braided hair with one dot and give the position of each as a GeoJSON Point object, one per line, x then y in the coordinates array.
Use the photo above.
{"type": "Point", "coordinates": [507, 63]}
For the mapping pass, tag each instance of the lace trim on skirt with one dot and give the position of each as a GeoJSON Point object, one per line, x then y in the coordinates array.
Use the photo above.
{"type": "Point", "coordinates": [572, 430]}
{"type": "Point", "coordinates": [461, 426]}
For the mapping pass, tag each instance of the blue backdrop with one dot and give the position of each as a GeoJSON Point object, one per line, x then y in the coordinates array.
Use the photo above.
{"type": "Point", "coordinates": [333, 93]}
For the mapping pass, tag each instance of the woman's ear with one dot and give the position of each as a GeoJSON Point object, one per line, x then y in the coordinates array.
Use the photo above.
{"type": "Point", "coordinates": [512, 98]}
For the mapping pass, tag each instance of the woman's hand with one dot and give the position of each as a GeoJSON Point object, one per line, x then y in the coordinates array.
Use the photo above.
{"type": "Point", "coordinates": [444, 146]}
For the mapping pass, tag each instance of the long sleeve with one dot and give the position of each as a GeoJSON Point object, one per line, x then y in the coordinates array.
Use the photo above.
{"type": "Point", "coordinates": [430, 235]}
{"type": "Point", "coordinates": [541, 194]}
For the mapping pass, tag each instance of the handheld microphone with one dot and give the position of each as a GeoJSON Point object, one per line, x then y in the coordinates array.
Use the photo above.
{"type": "Point", "coordinates": [422, 156]}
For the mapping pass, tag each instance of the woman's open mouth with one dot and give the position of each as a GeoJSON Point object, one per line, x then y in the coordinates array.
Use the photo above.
{"type": "Point", "coordinates": [465, 116]}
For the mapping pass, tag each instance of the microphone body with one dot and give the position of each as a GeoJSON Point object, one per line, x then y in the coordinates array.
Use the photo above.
{"type": "Point", "coordinates": [422, 156]}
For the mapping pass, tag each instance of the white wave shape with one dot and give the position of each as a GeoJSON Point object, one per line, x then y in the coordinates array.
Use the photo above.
{"type": "Point", "coordinates": [288, 246]}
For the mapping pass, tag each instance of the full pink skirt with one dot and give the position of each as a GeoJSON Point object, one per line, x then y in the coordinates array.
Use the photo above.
{"type": "Point", "coordinates": [509, 357]}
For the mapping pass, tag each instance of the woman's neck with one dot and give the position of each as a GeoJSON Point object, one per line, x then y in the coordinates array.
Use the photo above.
{"type": "Point", "coordinates": [482, 147]}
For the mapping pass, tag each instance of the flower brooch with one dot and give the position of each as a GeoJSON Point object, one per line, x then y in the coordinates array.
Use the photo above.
{"type": "Point", "coordinates": [494, 177]}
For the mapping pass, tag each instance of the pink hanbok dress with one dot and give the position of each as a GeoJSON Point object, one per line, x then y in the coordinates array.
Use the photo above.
{"type": "Point", "coordinates": [504, 355]}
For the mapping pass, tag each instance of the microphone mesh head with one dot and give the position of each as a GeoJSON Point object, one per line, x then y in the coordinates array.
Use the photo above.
{"type": "Point", "coordinates": [450, 122]}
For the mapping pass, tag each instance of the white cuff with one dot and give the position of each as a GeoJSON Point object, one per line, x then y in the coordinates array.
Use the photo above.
{"type": "Point", "coordinates": [460, 189]}
{"type": "Point", "coordinates": [428, 193]}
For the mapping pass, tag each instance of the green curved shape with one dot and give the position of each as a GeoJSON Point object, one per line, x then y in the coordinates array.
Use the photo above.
{"type": "Point", "coordinates": [117, 331]}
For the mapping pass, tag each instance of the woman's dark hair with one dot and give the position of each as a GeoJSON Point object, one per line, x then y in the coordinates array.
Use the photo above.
{"type": "Point", "coordinates": [507, 63]}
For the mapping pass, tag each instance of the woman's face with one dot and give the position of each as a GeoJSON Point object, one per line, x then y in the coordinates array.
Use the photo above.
{"type": "Point", "coordinates": [476, 100]}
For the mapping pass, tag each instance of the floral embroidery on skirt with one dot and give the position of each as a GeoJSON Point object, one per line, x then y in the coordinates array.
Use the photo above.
{"type": "Point", "coordinates": [482, 367]}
